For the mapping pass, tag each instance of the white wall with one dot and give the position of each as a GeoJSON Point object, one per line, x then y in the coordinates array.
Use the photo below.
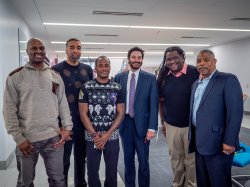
{"type": "Point", "coordinates": [9, 60]}
{"type": "Point", "coordinates": [116, 64]}
{"type": "Point", "coordinates": [234, 57]}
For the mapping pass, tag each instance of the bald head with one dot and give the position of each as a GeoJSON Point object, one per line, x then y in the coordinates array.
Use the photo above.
{"type": "Point", "coordinates": [32, 40]}
{"type": "Point", "coordinates": [36, 51]}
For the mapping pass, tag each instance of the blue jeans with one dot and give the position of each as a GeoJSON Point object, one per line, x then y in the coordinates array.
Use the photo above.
{"type": "Point", "coordinates": [53, 160]}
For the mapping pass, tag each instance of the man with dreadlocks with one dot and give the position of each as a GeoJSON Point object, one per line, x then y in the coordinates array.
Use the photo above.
{"type": "Point", "coordinates": [175, 80]}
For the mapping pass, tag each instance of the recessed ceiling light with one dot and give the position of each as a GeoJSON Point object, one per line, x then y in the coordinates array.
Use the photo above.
{"type": "Point", "coordinates": [146, 27]}
{"type": "Point", "coordinates": [121, 52]}
{"type": "Point", "coordinates": [92, 48]}
{"type": "Point", "coordinates": [118, 13]}
{"type": "Point", "coordinates": [120, 57]}
{"type": "Point", "coordinates": [156, 49]}
{"type": "Point", "coordinates": [240, 19]}
{"type": "Point", "coordinates": [136, 44]}
{"type": "Point", "coordinates": [194, 37]}
{"type": "Point", "coordinates": [105, 35]}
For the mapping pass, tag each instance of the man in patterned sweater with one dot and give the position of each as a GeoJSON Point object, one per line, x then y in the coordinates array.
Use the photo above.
{"type": "Point", "coordinates": [101, 106]}
{"type": "Point", "coordinates": [74, 75]}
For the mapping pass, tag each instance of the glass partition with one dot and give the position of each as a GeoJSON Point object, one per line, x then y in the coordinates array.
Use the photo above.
{"type": "Point", "coordinates": [22, 42]}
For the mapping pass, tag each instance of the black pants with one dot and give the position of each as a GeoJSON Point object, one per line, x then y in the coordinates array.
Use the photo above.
{"type": "Point", "coordinates": [110, 154]}
{"type": "Point", "coordinates": [213, 170]}
{"type": "Point", "coordinates": [79, 158]}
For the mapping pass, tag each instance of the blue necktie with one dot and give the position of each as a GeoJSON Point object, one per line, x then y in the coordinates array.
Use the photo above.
{"type": "Point", "coordinates": [131, 110]}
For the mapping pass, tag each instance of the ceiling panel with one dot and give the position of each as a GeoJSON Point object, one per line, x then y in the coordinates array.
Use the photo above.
{"type": "Point", "coordinates": [165, 13]}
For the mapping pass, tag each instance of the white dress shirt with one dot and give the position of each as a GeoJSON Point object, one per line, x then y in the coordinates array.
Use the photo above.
{"type": "Point", "coordinates": [128, 86]}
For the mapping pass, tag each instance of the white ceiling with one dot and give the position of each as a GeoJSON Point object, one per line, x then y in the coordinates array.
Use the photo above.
{"type": "Point", "coordinates": [162, 13]}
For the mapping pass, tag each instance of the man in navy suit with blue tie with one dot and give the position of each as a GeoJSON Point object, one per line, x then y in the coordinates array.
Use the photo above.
{"type": "Point", "coordinates": [141, 119]}
{"type": "Point", "coordinates": [215, 120]}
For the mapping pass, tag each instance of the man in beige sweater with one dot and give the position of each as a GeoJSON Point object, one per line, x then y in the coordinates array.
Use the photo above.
{"type": "Point", "coordinates": [34, 97]}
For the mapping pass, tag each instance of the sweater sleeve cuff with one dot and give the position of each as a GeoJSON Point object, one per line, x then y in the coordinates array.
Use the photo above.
{"type": "Point", "coordinates": [68, 128]}
{"type": "Point", "coordinates": [20, 140]}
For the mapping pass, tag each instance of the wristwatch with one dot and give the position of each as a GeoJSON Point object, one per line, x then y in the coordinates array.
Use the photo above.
{"type": "Point", "coordinates": [93, 135]}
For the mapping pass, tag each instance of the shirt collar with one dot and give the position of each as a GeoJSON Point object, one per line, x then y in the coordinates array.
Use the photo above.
{"type": "Point", "coordinates": [135, 72]}
{"type": "Point", "coordinates": [183, 71]}
{"type": "Point", "coordinates": [28, 65]}
{"type": "Point", "coordinates": [207, 78]}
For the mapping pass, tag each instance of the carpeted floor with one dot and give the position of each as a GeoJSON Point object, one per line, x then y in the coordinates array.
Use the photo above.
{"type": "Point", "coordinates": [160, 168]}
{"type": "Point", "coordinates": [244, 137]}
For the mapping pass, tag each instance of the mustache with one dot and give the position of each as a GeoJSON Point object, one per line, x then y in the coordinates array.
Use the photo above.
{"type": "Point", "coordinates": [74, 57]}
{"type": "Point", "coordinates": [137, 62]}
{"type": "Point", "coordinates": [202, 68]}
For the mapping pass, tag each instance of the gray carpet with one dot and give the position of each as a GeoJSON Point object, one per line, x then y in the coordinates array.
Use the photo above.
{"type": "Point", "coordinates": [160, 168]}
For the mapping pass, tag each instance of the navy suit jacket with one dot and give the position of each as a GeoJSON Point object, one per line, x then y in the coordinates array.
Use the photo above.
{"type": "Point", "coordinates": [146, 101]}
{"type": "Point", "coordinates": [219, 115]}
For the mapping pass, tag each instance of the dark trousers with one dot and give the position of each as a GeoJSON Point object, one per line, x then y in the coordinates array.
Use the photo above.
{"type": "Point", "coordinates": [132, 143]}
{"type": "Point", "coordinates": [110, 154]}
{"type": "Point", "coordinates": [79, 158]}
{"type": "Point", "coordinates": [213, 170]}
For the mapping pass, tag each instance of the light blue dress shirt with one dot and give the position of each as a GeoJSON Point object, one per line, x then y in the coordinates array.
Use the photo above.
{"type": "Point", "coordinates": [202, 85]}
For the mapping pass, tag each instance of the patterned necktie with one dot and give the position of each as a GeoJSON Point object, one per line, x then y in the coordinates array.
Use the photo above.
{"type": "Point", "coordinates": [131, 111]}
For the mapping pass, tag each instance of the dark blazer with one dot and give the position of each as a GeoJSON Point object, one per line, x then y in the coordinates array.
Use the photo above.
{"type": "Point", "coordinates": [219, 115]}
{"type": "Point", "coordinates": [146, 101]}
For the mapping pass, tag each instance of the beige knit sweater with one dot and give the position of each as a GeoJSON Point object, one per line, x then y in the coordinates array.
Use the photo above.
{"type": "Point", "coordinates": [33, 100]}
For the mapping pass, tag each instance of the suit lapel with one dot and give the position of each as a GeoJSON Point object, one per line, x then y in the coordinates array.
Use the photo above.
{"type": "Point", "coordinates": [139, 83]}
{"type": "Point", "coordinates": [124, 82]}
{"type": "Point", "coordinates": [192, 95]}
{"type": "Point", "coordinates": [209, 86]}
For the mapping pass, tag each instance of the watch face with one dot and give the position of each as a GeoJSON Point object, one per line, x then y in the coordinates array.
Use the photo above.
{"type": "Point", "coordinates": [93, 135]}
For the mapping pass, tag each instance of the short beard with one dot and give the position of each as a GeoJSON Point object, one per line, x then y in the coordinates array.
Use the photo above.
{"type": "Point", "coordinates": [74, 58]}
